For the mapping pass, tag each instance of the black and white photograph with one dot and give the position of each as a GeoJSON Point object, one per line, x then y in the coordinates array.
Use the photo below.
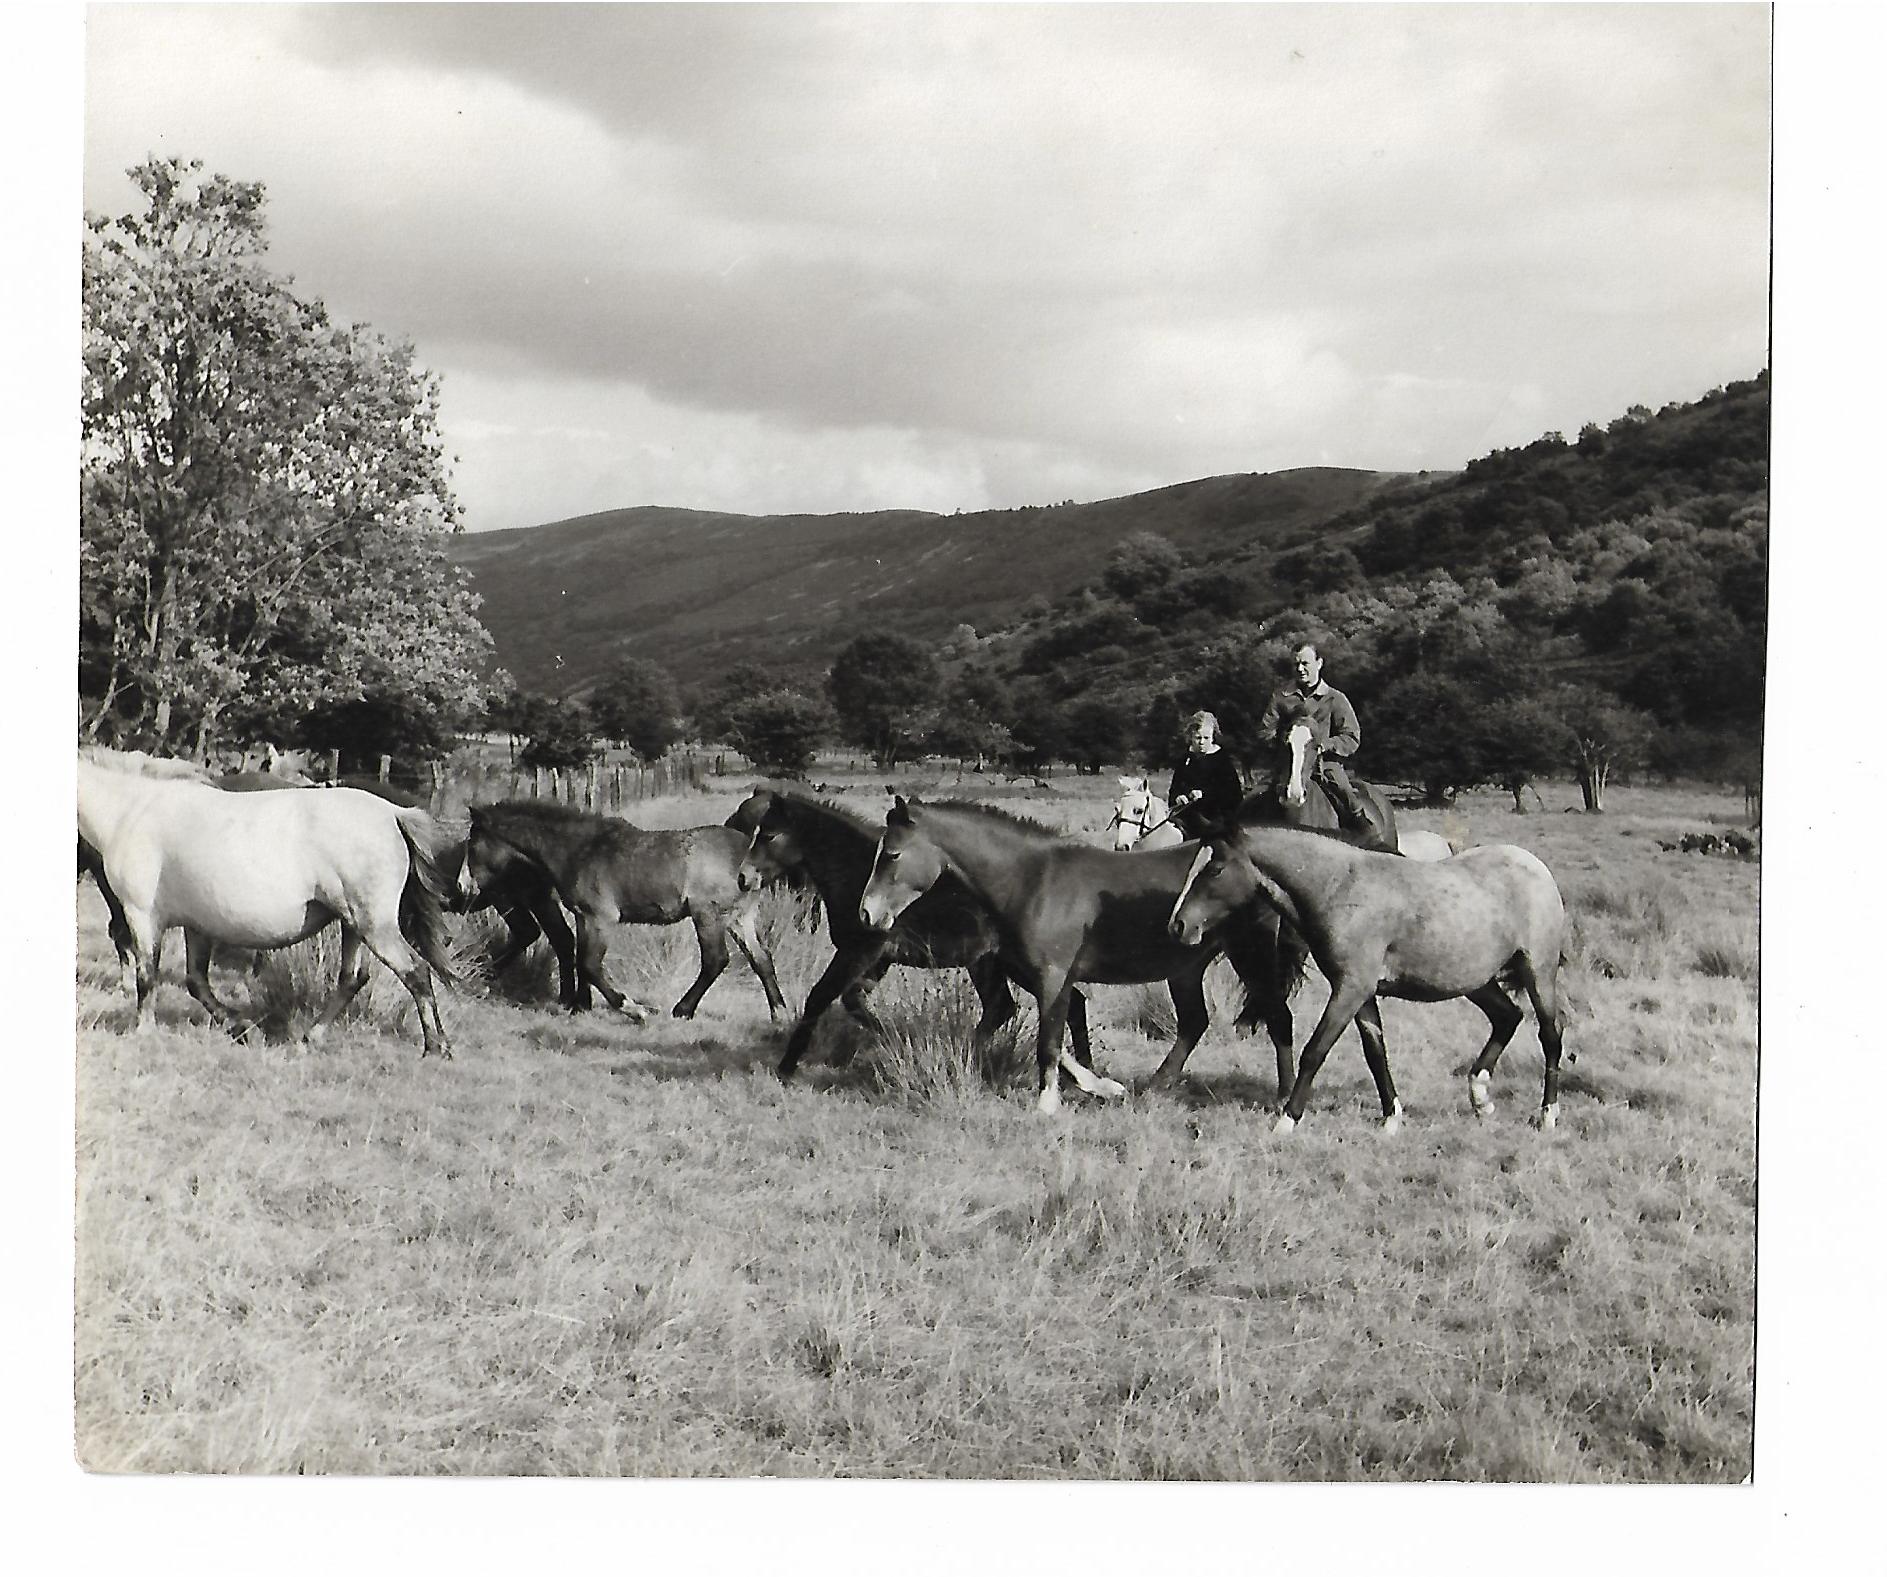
{"type": "Point", "coordinates": [999, 743]}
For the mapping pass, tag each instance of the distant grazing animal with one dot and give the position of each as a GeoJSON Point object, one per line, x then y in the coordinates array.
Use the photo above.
{"type": "Point", "coordinates": [1141, 819]}
{"type": "Point", "coordinates": [606, 870]}
{"type": "Point", "coordinates": [1070, 913]}
{"type": "Point", "coordinates": [1379, 925]}
{"type": "Point", "coordinates": [833, 847]}
{"type": "Point", "coordinates": [266, 870]}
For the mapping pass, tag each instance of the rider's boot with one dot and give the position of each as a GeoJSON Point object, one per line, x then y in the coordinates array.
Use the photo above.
{"type": "Point", "coordinates": [1353, 817]}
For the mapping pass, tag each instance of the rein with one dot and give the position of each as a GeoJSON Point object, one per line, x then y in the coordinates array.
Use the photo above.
{"type": "Point", "coordinates": [1146, 828]}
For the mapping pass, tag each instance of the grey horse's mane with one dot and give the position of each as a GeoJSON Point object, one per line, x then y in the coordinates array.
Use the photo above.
{"type": "Point", "coordinates": [993, 812]}
{"type": "Point", "coordinates": [140, 763]}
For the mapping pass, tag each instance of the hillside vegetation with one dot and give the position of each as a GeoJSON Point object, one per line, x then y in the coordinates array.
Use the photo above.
{"type": "Point", "coordinates": [700, 592]}
{"type": "Point", "coordinates": [1590, 603]}
{"type": "Point", "coordinates": [1619, 580]}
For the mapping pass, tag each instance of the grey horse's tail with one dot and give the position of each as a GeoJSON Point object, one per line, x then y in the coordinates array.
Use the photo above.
{"type": "Point", "coordinates": [429, 889]}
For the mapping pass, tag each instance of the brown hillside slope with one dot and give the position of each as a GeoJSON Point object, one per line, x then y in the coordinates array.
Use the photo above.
{"type": "Point", "coordinates": [698, 592]}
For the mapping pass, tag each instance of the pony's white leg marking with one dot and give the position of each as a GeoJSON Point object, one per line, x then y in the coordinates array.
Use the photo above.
{"type": "Point", "coordinates": [1480, 1093]}
{"type": "Point", "coordinates": [1199, 862]}
{"type": "Point", "coordinates": [1549, 1116]}
{"type": "Point", "coordinates": [1048, 1103]}
{"type": "Point", "coordinates": [1392, 1124]}
{"type": "Point", "coordinates": [1285, 1123]}
{"type": "Point", "coordinates": [1092, 1083]}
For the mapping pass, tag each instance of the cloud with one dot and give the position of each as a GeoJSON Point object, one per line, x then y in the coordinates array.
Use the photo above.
{"type": "Point", "coordinates": [1120, 242]}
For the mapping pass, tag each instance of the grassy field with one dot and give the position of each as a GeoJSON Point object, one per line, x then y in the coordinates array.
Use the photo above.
{"type": "Point", "coordinates": [586, 1247]}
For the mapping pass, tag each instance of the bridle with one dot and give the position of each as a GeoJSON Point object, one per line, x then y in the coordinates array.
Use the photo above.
{"type": "Point", "coordinates": [1147, 828]}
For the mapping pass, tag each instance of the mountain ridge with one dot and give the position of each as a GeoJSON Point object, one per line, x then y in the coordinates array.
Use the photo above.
{"type": "Point", "coordinates": [699, 590]}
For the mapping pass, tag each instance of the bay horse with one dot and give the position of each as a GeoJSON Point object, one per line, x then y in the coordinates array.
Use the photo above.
{"type": "Point", "coordinates": [1069, 913]}
{"type": "Point", "coordinates": [606, 870]}
{"type": "Point", "coordinates": [833, 848]}
{"type": "Point", "coordinates": [264, 871]}
{"type": "Point", "coordinates": [1142, 819]}
{"type": "Point", "coordinates": [1380, 925]}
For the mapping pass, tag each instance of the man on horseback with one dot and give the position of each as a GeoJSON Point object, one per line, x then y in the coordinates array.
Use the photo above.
{"type": "Point", "coordinates": [1335, 737]}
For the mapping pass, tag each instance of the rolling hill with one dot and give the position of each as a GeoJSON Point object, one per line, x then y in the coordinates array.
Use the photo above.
{"type": "Point", "coordinates": [698, 592]}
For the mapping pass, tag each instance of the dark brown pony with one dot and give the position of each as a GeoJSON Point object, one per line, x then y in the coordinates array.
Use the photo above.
{"type": "Point", "coordinates": [1068, 913]}
{"type": "Point", "coordinates": [1382, 925]}
{"type": "Point", "coordinates": [833, 847]}
{"type": "Point", "coordinates": [606, 870]}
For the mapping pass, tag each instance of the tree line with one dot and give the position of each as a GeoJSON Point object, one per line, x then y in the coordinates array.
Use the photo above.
{"type": "Point", "coordinates": [265, 503]}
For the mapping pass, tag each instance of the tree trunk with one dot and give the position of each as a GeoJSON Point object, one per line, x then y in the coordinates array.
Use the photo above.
{"type": "Point", "coordinates": [1518, 787]}
{"type": "Point", "coordinates": [1592, 787]}
{"type": "Point", "coordinates": [205, 726]}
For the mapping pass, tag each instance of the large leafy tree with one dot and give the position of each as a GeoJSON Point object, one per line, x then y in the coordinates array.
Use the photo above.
{"type": "Point", "coordinates": [881, 685]}
{"type": "Point", "coordinates": [1600, 734]}
{"type": "Point", "coordinates": [637, 702]}
{"type": "Point", "coordinates": [263, 493]}
{"type": "Point", "coordinates": [779, 730]}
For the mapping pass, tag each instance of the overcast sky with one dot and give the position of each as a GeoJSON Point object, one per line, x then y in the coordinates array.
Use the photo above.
{"type": "Point", "coordinates": [811, 257]}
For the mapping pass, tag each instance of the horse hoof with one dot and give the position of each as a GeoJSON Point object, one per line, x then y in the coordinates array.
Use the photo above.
{"type": "Point", "coordinates": [1048, 1103]}
{"type": "Point", "coordinates": [683, 1010]}
{"type": "Point", "coordinates": [1392, 1124]}
{"type": "Point", "coordinates": [1479, 1095]}
{"type": "Point", "coordinates": [1548, 1118]}
{"type": "Point", "coordinates": [1285, 1123]}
